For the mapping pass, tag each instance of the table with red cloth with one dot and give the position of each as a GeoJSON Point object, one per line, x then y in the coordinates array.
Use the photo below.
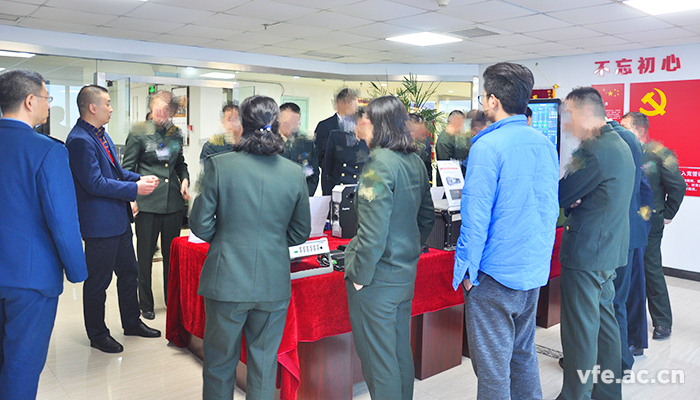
{"type": "Point", "coordinates": [318, 307]}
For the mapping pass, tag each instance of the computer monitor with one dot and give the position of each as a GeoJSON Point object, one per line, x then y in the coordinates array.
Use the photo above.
{"type": "Point", "coordinates": [546, 118]}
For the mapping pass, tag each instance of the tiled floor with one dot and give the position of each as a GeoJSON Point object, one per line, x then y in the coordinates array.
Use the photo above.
{"type": "Point", "coordinates": [154, 369]}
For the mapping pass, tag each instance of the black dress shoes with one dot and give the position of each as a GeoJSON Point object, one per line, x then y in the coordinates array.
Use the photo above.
{"type": "Point", "coordinates": [148, 314]}
{"type": "Point", "coordinates": [636, 352]}
{"type": "Point", "coordinates": [142, 330]}
{"type": "Point", "coordinates": [107, 345]}
{"type": "Point", "coordinates": [661, 333]}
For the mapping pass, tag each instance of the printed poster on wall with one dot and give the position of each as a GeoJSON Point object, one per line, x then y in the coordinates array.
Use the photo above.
{"type": "Point", "coordinates": [672, 108]}
{"type": "Point", "coordinates": [614, 98]}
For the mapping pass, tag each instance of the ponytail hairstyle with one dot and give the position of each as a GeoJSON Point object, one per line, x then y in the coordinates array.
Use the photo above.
{"type": "Point", "coordinates": [260, 127]}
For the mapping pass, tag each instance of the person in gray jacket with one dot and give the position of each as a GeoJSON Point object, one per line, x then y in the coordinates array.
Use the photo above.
{"type": "Point", "coordinates": [254, 205]}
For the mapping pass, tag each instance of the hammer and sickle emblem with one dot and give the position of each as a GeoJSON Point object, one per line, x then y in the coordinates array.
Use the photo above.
{"type": "Point", "coordinates": [658, 109]}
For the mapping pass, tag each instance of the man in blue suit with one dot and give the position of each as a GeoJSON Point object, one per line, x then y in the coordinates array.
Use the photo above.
{"type": "Point", "coordinates": [39, 233]}
{"type": "Point", "coordinates": [104, 191]}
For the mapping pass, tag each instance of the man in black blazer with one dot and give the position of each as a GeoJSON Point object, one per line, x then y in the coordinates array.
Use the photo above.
{"type": "Point", "coordinates": [595, 193]}
{"type": "Point", "coordinates": [104, 191]}
{"type": "Point", "coordinates": [345, 106]}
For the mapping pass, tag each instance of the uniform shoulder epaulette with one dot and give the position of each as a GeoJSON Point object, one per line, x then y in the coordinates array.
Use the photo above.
{"type": "Point", "coordinates": [143, 128]}
{"type": "Point", "coordinates": [217, 140]}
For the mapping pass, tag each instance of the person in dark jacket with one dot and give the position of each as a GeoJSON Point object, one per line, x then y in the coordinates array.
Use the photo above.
{"type": "Point", "coordinates": [454, 142]}
{"type": "Point", "coordinates": [104, 190]}
{"type": "Point", "coordinates": [668, 185]}
{"type": "Point", "coordinates": [346, 107]}
{"type": "Point", "coordinates": [39, 232]}
{"type": "Point", "coordinates": [395, 216]}
{"type": "Point", "coordinates": [155, 148]}
{"type": "Point", "coordinates": [253, 206]}
{"type": "Point", "coordinates": [297, 146]}
{"type": "Point", "coordinates": [229, 133]}
{"type": "Point", "coordinates": [596, 193]}
{"type": "Point", "coordinates": [419, 133]}
{"type": "Point", "coordinates": [346, 154]}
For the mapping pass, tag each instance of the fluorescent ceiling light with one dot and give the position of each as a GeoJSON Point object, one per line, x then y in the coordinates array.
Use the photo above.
{"type": "Point", "coordinates": [656, 7]}
{"type": "Point", "coordinates": [424, 39]}
{"type": "Point", "coordinates": [16, 54]}
{"type": "Point", "coordinates": [219, 75]}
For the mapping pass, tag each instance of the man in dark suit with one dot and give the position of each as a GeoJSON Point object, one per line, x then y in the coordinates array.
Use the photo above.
{"type": "Point", "coordinates": [39, 232]}
{"type": "Point", "coordinates": [297, 146]}
{"type": "Point", "coordinates": [596, 193]}
{"type": "Point", "coordinates": [104, 190]}
{"type": "Point", "coordinates": [345, 106]}
{"type": "Point", "coordinates": [346, 154]}
{"type": "Point", "coordinates": [668, 185]}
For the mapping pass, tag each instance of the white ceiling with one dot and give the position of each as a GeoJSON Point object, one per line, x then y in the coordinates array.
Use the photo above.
{"type": "Point", "coordinates": [353, 31]}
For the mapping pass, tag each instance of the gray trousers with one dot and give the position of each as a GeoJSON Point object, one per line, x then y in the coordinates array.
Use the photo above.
{"type": "Point", "coordinates": [501, 331]}
{"type": "Point", "coordinates": [380, 316]}
{"type": "Point", "coordinates": [263, 324]}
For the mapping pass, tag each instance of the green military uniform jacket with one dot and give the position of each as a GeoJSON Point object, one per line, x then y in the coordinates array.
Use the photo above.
{"type": "Point", "coordinates": [395, 215]}
{"type": "Point", "coordinates": [596, 233]}
{"type": "Point", "coordinates": [452, 147]}
{"type": "Point", "coordinates": [665, 179]}
{"type": "Point", "coordinates": [425, 155]}
{"type": "Point", "coordinates": [302, 150]}
{"type": "Point", "coordinates": [154, 150]}
{"type": "Point", "coordinates": [215, 145]}
{"type": "Point", "coordinates": [251, 209]}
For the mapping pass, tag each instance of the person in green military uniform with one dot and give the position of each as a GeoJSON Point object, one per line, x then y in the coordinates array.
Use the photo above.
{"type": "Point", "coordinates": [253, 206]}
{"type": "Point", "coordinates": [395, 215]}
{"type": "Point", "coordinates": [229, 133]}
{"type": "Point", "coordinates": [454, 142]}
{"type": "Point", "coordinates": [668, 185]}
{"type": "Point", "coordinates": [595, 192]}
{"type": "Point", "coordinates": [419, 133]}
{"type": "Point", "coordinates": [297, 146]}
{"type": "Point", "coordinates": [155, 148]}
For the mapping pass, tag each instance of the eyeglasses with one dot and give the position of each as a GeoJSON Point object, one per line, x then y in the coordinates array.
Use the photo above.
{"type": "Point", "coordinates": [481, 99]}
{"type": "Point", "coordinates": [48, 98]}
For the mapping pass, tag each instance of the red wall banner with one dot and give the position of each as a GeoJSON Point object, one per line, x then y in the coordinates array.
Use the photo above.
{"type": "Point", "coordinates": [673, 109]}
{"type": "Point", "coordinates": [614, 97]}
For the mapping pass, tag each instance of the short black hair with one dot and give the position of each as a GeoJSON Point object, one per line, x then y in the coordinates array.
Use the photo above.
{"type": "Point", "coordinates": [511, 84]}
{"type": "Point", "coordinates": [15, 86]}
{"type": "Point", "coordinates": [89, 94]}
{"type": "Point", "coordinates": [388, 115]}
{"type": "Point", "coordinates": [478, 118]}
{"type": "Point", "coordinates": [637, 119]}
{"type": "Point", "coordinates": [455, 112]}
{"type": "Point", "coordinates": [291, 107]}
{"type": "Point", "coordinates": [528, 112]}
{"type": "Point", "coordinates": [588, 96]}
{"type": "Point", "coordinates": [260, 127]}
{"type": "Point", "coordinates": [346, 95]}
{"type": "Point", "coordinates": [228, 106]}
{"type": "Point", "coordinates": [416, 118]}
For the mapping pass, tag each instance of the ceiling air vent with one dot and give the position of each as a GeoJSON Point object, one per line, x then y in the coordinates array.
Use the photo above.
{"type": "Point", "coordinates": [8, 17]}
{"type": "Point", "coordinates": [473, 33]}
{"type": "Point", "coordinates": [319, 54]}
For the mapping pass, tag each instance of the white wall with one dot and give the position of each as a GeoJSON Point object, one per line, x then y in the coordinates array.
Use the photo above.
{"type": "Point", "coordinates": [680, 237]}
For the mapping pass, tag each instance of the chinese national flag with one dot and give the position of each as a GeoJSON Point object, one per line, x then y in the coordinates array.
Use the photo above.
{"type": "Point", "coordinates": [673, 109]}
{"type": "Point", "coordinates": [614, 98]}
{"type": "Point", "coordinates": [542, 94]}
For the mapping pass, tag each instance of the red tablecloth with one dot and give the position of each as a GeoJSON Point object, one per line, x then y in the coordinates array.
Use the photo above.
{"type": "Point", "coordinates": [318, 307]}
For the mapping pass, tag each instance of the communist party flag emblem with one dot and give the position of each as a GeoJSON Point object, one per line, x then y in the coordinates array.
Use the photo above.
{"type": "Point", "coordinates": [658, 107]}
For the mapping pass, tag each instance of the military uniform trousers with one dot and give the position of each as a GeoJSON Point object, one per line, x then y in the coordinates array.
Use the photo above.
{"type": "Point", "coordinates": [380, 316]}
{"type": "Point", "coordinates": [26, 322]}
{"type": "Point", "coordinates": [263, 324]}
{"type": "Point", "coordinates": [622, 289]}
{"type": "Point", "coordinates": [637, 333]}
{"type": "Point", "coordinates": [657, 291]}
{"type": "Point", "coordinates": [590, 335]}
{"type": "Point", "coordinates": [104, 257]}
{"type": "Point", "coordinates": [148, 227]}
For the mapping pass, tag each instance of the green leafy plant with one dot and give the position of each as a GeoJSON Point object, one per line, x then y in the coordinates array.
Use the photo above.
{"type": "Point", "coordinates": [414, 95]}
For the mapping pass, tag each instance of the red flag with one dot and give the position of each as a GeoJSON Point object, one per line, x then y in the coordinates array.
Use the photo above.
{"type": "Point", "coordinates": [614, 98]}
{"type": "Point", "coordinates": [672, 108]}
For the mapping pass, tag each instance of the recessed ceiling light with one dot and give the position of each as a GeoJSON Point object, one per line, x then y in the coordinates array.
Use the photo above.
{"type": "Point", "coordinates": [2, 69]}
{"type": "Point", "coordinates": [219, 75]}
{"type": "Point", "coordinates": [656, 7]}
{"type": "Point", "coordinates": [16, 54]}
{"type": "Point", "coordinates": [424, 39]}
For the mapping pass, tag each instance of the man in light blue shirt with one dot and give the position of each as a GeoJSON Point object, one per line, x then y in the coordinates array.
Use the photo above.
{"type": "Point", "coordinates": [509, 213]}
